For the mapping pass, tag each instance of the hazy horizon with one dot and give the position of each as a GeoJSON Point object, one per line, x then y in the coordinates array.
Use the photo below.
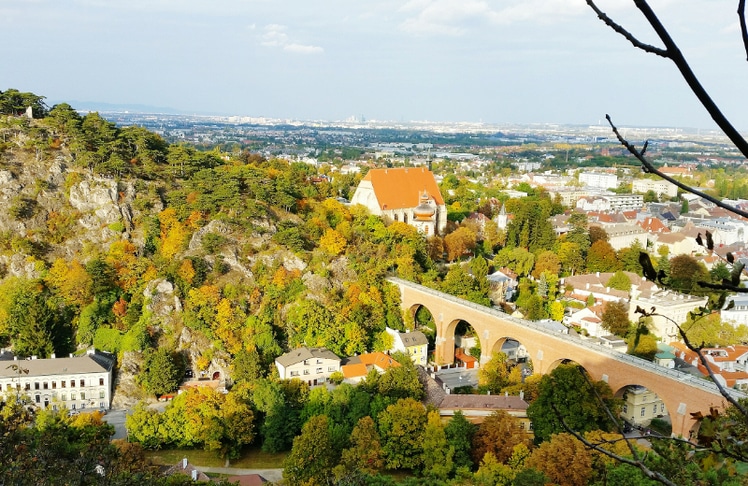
{"type": "Point", "coordinates": [450, 61]}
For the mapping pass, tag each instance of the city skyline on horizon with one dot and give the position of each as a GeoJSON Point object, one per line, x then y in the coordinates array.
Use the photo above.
{"type": "Point", "coordinates": [444, 61]}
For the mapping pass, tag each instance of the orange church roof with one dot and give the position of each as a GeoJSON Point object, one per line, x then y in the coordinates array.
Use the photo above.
{"type": "Point", "coordinates": [401, 187]}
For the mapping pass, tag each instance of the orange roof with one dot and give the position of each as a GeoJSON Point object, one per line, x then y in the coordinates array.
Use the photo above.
{"type": "Point", "coordinates": [354, 370]}
{"type": "Point", "coordinates": [401, 187]}
{"type": "Point", "coordinates": [379, 359]}
{"type": "Point", "coordinates": [465, 358]}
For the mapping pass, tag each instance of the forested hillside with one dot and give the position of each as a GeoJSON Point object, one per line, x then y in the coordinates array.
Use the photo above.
{"type": "Point", "coordinates": [116, 239]}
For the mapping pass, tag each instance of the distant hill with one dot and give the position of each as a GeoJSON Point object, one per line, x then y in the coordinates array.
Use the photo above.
{"type": "Point", "coordinates": [117, 107]}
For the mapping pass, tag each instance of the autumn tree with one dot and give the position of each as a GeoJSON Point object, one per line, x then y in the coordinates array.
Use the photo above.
{"type": "Point", "coordinates": [498, 435]}
{"type": "Point", "coordinates": [564, 460]}
{"type": "Point", "coordinates": [547, 261]}
{"type": "Point", "coordinates": [615, 318]}
{"type": "Point", "coordinates": [459, 242]}
{"type": "Point", "coordinates": [494, 375]}
{"type": "Point", "coordinates": [602, 258]}
{"type": "Point", "coordinates": [365, 452]}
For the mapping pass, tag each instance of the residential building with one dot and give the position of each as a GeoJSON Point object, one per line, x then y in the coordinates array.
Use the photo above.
{"type": "Point", "coordinates": [623, 235]}
{"type": "Point", "coordinates": [728, 364]}
{"type": "Point", "coordinates": [356, 368]}
{"type": "Point", "coordinates": [671, 308]}
{"type": "Point", "coordinates": [413, 343]}
{"type": "Point", "coordinates": [312, 365]}
{"type": "Point", "coordinates": [736, 310]}
{"type": "Point", "coordinates": [74, 383]}
{"type": "Point", "coordinates": [660, 187]}
{"type": "Point", "coordinates": [406, 194]}
{"type": "Point", "coordinates": [476, 408]}
{"type": "Point", "coordinates": [598, 179]}
{"type": "Point", "coordinates": [641, 405]}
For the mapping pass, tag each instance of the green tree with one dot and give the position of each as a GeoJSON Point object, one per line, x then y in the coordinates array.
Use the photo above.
{"type": "Point", "coordinates": [620, 281]}
{"type": "Point", "coordinates": [438, 453]}
{"type": "Point", "coordinates": [567, 393]}
{"type": "Point", "coordinates": [459, 432]}
{"type": "Point", "coordinates": [312, 456]}
{"type": "Point", "coordinates": [161, 372]}
{"type": "Point", "coordinates": [401, 427]}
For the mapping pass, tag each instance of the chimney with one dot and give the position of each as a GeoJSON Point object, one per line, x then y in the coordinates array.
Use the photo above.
{"type": "Point", "coordinates": [34, 357]}
{"type": "Point", "coordinates": [194, 474]}
{"type": "Point", "coordinates": [53, 356]}
{"type": "Point", "coordinates": [71, 355]}
{"type": "Point", "coordinates": [522, 394]}
{"type": "Point", "coordinates": [184, 463]}
{"type": "Point", "coordinates": [597, 274]}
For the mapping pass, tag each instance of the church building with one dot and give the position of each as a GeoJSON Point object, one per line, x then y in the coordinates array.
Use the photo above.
{"type": "Point", "coordinates": [407, 194]}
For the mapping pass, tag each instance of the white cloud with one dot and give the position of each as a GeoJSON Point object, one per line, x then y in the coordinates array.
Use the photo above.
{"type": "Point", "coordinates": [274, 35]}
{"type": "Point", "coordinates": [459, 17]}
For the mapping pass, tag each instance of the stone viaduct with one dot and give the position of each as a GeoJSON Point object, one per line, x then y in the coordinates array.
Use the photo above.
{"type": "Point", "coordinates": [682, 393]}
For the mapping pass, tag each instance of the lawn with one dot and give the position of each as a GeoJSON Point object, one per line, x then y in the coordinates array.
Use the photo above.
{"type": "Point", "coordinates": [252, 458]}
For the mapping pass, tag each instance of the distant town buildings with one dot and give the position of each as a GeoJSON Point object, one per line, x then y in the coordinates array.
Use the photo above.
{"type": "Point", "coordinates": [599, 179]}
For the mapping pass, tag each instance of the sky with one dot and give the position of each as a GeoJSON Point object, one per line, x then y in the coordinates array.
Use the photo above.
{"type": "Point", "coordinates": [500, 61]}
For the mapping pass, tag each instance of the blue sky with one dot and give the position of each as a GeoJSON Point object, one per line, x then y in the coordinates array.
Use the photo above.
{"type": "Point", "coordinates": [502, 61]}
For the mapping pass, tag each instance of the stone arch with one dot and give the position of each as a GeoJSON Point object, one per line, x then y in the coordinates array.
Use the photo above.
{"type": "Point", "coordinates": [453, 340]}
{"type": "Point", "coordinates": [555, 364]}
{"type": "Point", "coordinates": [419, 313]}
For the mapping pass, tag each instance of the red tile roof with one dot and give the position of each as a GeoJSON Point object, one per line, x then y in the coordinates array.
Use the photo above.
{"type": "Point", "coordinates": [401, 187]}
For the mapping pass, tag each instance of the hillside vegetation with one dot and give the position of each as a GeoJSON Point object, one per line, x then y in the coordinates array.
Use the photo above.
{"type": "Point", "coordinates": [114, 238]}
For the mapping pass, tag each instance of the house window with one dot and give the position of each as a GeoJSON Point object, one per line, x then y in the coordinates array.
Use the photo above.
{"type": "Point", "coordinates": [54, 385]}
{"type": "Point", "coordinates": [625, 408]}
{"type": "Point", "coordinates": [72, 383]}
{"type": "Point", "coordinates": [36, 385]}
{"type": "Point", "coordinates": [662, 408]}
{"type": "Point", "coordinates": [306, 372]}
{"type": "Point", "coordinates": [72, 395]}
{"type": "Point", "coordinates": [7, 387]}
{"type": "Point", "coordinates": [64, 397]}
{"type": "Point", "coordinates": [654, 411]}
{"type": "Point", "coordinates": [38, 398]}
{"type": "Point", "coordinates": [294, 373]}
{"type": "Point", "coordinates": [83, 395]}
{"type": "Point", "coordinates": [62, 384]}
{"type": "Point", "coordinates": [331, 368]}
{"type": "Point", "coordinates": [83, 383]}
{"type": "Point", "coordinates": [45, 385]}
{"type": "Point", "coordinates": [72, 407]}
{"type": "Point", "coordinates": [318, 371]}
{"type": "Point", "coordinates": [28, 386]}
{"type": "Point", "coordinates": [642, 412]}
{"type": "Point", "coordinates": [101, 393]}
{"type": "Point", "coordinates": [319, 361]}
{"type": "Point", "coordinates": [101, 405]}
{"type": "Point", "coordinates": [101, 381]}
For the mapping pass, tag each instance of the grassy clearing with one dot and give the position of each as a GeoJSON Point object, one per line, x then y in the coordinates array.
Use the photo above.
{"type": "Point", "coordinates": [252, 458]}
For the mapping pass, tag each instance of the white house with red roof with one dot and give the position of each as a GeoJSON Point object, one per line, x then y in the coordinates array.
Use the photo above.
{"type": "Point", "coordinates": [728, 363]}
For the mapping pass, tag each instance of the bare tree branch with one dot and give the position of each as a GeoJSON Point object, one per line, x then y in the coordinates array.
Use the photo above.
{"type": "Point", "coordinates": [672, 52]}
{"type": "Point", "coordinates": [698, 350]}
{"type": "Point", "coordinates": [625, 33]}
{"type": "Point", "coordinates": [650, 169]}
{"type": "Point", "coordinates": [743, 27]}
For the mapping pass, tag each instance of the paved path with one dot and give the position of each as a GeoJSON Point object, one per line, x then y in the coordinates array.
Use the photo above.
{"type": "Point", "coordinates": [269, 474]}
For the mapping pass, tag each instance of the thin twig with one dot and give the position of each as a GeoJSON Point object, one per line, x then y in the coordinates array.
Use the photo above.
{"type": "Point", "coordinates": [672, 52]}
{"type": "Point", "coordinates": [650, 169]}
{"type": "Point", "coordinates": [743, 27]}
{"type": "Point", "coordinates": [625, 33]}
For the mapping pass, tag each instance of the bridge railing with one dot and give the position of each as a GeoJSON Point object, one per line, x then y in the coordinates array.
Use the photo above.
{"type": "Point", "coordinates": [703, 383]}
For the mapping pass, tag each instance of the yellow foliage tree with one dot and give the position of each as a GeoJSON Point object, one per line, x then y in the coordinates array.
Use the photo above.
{"type": "Point", "coordinates": [173, 233]}
{"type": "Point", "coordinates": [332, 242]}
{"type": "Point", "coordinates": [71, 282]}
{"type": "Point", "coordinates": [564, 459]}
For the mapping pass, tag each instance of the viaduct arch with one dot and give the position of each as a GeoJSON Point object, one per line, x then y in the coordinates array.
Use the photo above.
{"type": "Point", "coordinates": [682, 393]}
